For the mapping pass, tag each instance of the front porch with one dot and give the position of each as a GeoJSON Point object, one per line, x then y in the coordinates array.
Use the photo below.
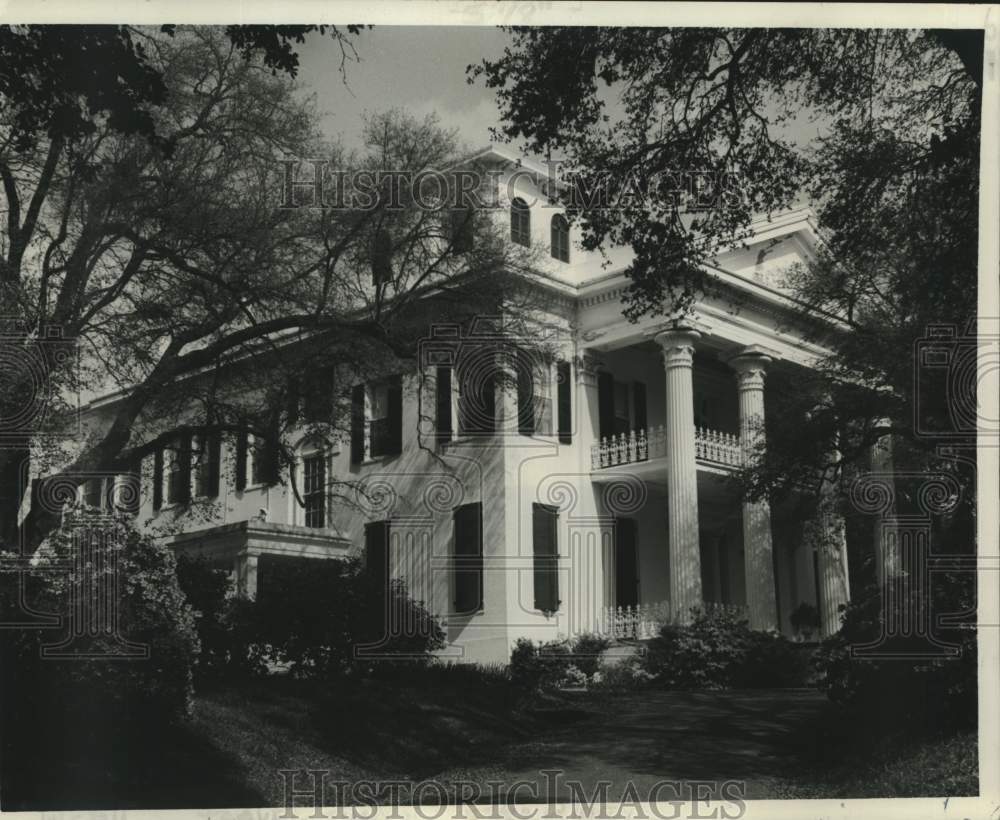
{"type": "Point", "coordinates": [683, 411]}
{"type": "Point", "coordinates": [239, 547]}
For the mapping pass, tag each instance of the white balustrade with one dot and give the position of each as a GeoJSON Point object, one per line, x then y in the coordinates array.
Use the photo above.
{"type": "Point", "coordinates": [711, 447]}
{"type": "Point", "coordinates": [644, 621]}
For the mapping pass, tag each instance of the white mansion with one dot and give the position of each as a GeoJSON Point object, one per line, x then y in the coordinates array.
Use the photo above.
{"type": "Point", "coordinates": [595, 497]}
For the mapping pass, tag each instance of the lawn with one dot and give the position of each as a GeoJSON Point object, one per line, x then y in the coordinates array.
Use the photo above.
{"type": "Point", "coordinates": [454, 726]}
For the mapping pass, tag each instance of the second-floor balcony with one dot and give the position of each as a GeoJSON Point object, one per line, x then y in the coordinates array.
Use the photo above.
{"type": "Point", "coordinates": [713, 449]}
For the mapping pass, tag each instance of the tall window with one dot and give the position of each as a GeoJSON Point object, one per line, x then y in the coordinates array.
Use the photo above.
{"type": "Point", "coordinates": [179, 480]}
{"type": "Point", "coordinates": [468, 558]}
{"type": "Point", "coordinates": [206, 480]}
{"type": "Point", "coordinates": [377, 419]}
{"type": "Point", "coordinates": [520, 223]}
{"type": "Point", "coordinates": [560, 238]}
{"type": "Point", "coordinates": [545, 549]}
{"type": "Point", "coordinates": [314, 489]}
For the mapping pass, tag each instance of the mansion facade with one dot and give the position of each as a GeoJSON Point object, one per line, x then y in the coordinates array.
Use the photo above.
{"type": "Point", "coordinates": [589, 492]}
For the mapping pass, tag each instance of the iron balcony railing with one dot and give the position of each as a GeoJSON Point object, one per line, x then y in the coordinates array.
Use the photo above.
{"type": "Point", "coordinates": [711, 447]}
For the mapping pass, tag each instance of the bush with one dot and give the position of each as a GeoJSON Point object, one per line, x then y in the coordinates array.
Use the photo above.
{"type": "Point", "coordinates": [718, 650]}
{"type": "Point", "coordinates": [926, 695]}
{"type": "Point", "coordinates": [542, 666]}
{"type": "Point", "coordinates": [587, 650]}
{"type": "Point", "coordinates": [626, 676]}
{"type": "Point", "coordinates": [326, 617]}
{"type": "Point", "coordinates": [152, 613]}
{"type": "Point", "coordinates": [208, 591]}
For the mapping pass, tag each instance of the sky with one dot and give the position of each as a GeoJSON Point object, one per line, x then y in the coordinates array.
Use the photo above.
{"type": "Point", "coordinates": [419, 68]}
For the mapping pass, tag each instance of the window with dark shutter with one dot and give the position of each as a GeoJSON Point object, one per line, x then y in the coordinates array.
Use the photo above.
{"type": "Point", "coordinates": [639, 405]}
{"type": "Point", "coordinates": [545, 549]}
{"type": "Point", "coordinates": [208, 465]}
{"type": "Point", "coordinates": [477, 397]}
{"type": "Point", "coordinates": [377, 561]}
{"type": "Point", "coordinates": [560, 238]}
{"type": "Point", "coordinates": [314, 490]}
{"type": "Point", "coordinates": [468, 558]}
{"type": "Point", "coordinates": [179, 480]}
{"type": "Point", "coordinates": [442, 404]}
{"type": "Point", "coordinates": [606, 404]}
{"type": "Point", "coordinates": [358, 424]}
{"type": "Point", "coordinates": [520, 223]}
{"type": "Point", "coordinates": [241, 460]}
{"type": "Point", "coordinates": [158, 479]}
{"type": "Point", "coordinates": [564, 392]}
{"type": "Point", "coordinates": [93, 493]}
{"type": "Point", "coordinates": [626, 563]}
{"type": "Point", "coordinates": [131, 495]}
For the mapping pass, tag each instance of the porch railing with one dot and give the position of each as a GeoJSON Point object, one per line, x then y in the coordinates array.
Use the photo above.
{"type": "Point", "coordinates": [711, 447]}
{"type": "Point", "coordinates": [645, 620]}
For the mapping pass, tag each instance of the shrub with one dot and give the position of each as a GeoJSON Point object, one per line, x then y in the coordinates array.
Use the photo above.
{"type": "Point", "coordinates": [325, 617]}
{"type": "Point", "coordinates": [922, 694]}
{"type": "Point", "coordinates": [587, 651]}
{"type": "Point", "coordinates": [541, 666]}
{"type": "Point", "coordinates": [628, 675]}
{"type": "Point", "coordinates": [208, 591]}
{"type": "Point", "coordinates": [718, 650]}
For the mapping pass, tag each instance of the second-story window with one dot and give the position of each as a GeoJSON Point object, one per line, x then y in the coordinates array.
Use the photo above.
{"type": "Point", "coordinates": [560, 238]}
{"type": "Point", "coordinates": [314, 489]}
{"type": "Point", "coordinates": [377, 419]}
{"type": "Point", "coordinates": [179, 479]}
{"type": "Point", "coordinates": [520, 223]}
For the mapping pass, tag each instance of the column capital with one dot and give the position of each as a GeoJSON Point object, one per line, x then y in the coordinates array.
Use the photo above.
{"type": "Point", "coordinates": [750, 365]}
{"type": "Point", "coordinates": [676, 340]}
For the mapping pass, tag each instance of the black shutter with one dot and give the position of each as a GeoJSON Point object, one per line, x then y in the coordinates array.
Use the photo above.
{"type": "Point", "coordinates": [639, 402]}
{"type": "Point", "coordinates": [545, 548]}
{"type": "Point", "coordinates": [358, 424]}
{"type": "Point", "coordinates": [158, 479]}
{"type": "Point", "coordinates": [377, 553]}
{"type": "Point", "coordinates": [626, 566]}
{"type": "Point", "coordinates": [525, 398]}
{"type": "Point", "coordinates": [468, 557]}
{"type": "Point", "coordinates": [442, 421]}
{"type": "Point", "coordinates": [241, 460]}
{"type": "Point", "coordinates": [606, 404]}
{"type": "Point", "coordinates": [183, 474]}
{"type": "Point", "coordinates": [394, 396]}
{"type": "Point", "coordinates": [488, 402]}
{"type": "Point", "coordinates": [564, 402]}
{"type": "Point", "coordinates": [133, 494]}
{"type": "Point", "coordinates": [214, 455]}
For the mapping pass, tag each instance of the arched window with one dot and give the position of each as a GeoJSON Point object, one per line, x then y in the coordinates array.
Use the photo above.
{"type": "Point", "coordinates": [520, 223]}
{"type": "Point", "coordinates": [560, 238]}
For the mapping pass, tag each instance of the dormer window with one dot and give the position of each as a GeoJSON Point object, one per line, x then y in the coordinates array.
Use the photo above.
{"type": "Point", "coordinates": [520, 223]}
{"type": "Point", "coordinates": [560, 238]}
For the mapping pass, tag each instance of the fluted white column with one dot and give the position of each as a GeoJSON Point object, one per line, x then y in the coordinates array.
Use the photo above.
{"type": "Point", "coordinates": [682, 472]}
{"type": "Point", "coordinates": [245, 565]}
{"type": "Point", "coordinates": [750, 366]}
{"type": "Point", "coordinates": [828, 535]}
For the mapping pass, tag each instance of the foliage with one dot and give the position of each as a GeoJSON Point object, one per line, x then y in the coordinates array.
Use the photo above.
{"type": "Point", "coordinates": [805, 618]}
{"type": "Point", "coordinates": [923, 694]}
{"type": "Point", "coordinates": [626, 675]}
{"type": "Point", "coordinates": [327, 618]}
{"type": "Point", "coordinates": [208, 591]}
{"type": "Point", "coordinates": [587, 651]}
{"type": "Point", "coordinates": [718, 650]}
{"type": "Point", "coordinates": [892, 172]}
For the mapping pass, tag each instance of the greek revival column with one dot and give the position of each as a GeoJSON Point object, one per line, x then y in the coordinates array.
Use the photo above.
{"type": "Point", "coordinates": [886, 535]}
{"type": "Point", "coordinates": [750, 365]}
{"type": "Point", "coordinates": [682, 471]}
{"type": "Point", "coordinates": [245, 565]}
{"type": "Point", "coordinates": [830, 543]}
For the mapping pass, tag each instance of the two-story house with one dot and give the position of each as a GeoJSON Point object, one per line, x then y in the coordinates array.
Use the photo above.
{"type": "Point", "coordinates": [587, 490]}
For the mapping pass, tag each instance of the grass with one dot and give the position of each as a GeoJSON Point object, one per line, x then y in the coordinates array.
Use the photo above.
{"type": "Point", "coordinates": [943, 767]}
